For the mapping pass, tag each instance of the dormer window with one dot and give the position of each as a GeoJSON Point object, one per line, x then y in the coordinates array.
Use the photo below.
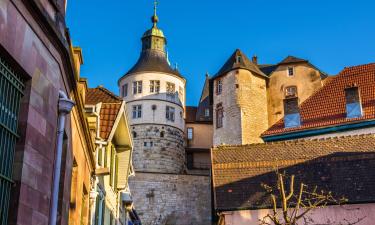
{"type": "Point", "coordinates": [353, 102]}
{"type": "Point", "coordinates": [290, 71]}
{"type": "Point", "coordinates": [292, 116]}
{"type": "Point", "coordinates": [290, 91]}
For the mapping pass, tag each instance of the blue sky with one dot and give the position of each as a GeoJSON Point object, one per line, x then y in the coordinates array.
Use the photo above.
{"type": "Point", "coordinates": [202, 34]}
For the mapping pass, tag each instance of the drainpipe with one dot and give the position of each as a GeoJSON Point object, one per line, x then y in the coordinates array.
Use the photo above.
{"type": "Point", "coordinates": [65, 105]}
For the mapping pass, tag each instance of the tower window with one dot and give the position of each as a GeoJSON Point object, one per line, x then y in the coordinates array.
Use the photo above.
{"type": "Point", "coordinates": [134, 134]}
{"type": "Point", "coordinates": [154, 86]}
{"type": "Point", "coordinates": [219, 115]}
{"type": "Point", "coordinates": [171, 89]}
{"type": "Point", "coordinates": [124, 90]}
{"type": "Point", "coordinates": [137, 111]}
{"type": "Point", "coordinates": [162, 134]}
{"type": "Point", "coordinates": [137, 87]}
{"type": "Point", "coordinates": [170, 113]}
{"type": "Point", "coordinates": [190, 132]}
{"type": "Point", "coordinates": [290, 71]}
{"type": "Point", "coordinates": [219, 86]}
{"type": "Point", "coordinates": [291, 91]}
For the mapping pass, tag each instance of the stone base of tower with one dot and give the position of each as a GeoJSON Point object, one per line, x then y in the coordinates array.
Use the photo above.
{"type": "Point", "coordinates": [172, 199]}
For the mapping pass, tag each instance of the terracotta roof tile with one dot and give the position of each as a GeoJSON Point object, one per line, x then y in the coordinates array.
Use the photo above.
{"type": "Point", "coordinates": [101, 94]}
{"type": "Point", "coordinates": [327, 106]}
{"type": "Point", "coordinates": [111, 105]}
{"type": "Point", "coordinates": [108, 115]}
{"type": "Point", "coordinates": [345, 166]}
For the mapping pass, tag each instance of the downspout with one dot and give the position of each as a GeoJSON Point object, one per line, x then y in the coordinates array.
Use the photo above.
{"type": "Point", "coordinates": [65, 105]}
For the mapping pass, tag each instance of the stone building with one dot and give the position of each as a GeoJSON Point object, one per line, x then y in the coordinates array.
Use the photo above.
{"type": "Point", "coordinates": [247, 97]}
{"type": "Point", "coordinates": [163, 191]}
{"type": "Point", "coordinates": [37, 78]}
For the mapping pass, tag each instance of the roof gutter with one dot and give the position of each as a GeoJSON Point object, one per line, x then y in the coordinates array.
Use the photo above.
{"type": "Point", "coordinates": [319, 131]}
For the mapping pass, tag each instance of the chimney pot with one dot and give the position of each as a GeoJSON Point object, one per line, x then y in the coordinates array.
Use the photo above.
{"type": "Point", "coordinates": [255, 59]}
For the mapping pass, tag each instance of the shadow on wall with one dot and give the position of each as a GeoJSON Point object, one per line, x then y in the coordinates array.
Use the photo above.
{"type": "Point", "coordinates": [350, 175]}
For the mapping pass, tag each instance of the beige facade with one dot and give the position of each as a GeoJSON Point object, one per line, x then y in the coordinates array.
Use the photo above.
{"type": "Point", "coordinates": [306, 79]}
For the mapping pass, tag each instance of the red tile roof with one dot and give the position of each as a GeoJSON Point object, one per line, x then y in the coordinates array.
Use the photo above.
{"type": "Point", "coordinates": [111, 105]}
{"type": "Point", "coordinates": [327, 106]}
{"type": "Point", "coordinates": [101, 94]}
{"type": "Point", "coordinates": [344, 165]}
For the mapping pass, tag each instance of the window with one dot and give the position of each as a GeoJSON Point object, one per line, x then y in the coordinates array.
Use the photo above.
{"type": "Point", "coordinates": [190, 133]}
{"type": "Point", "coordinates": [170, 113]}
{"type": "Point", "coordinates": [219, 86]}
{"type": "Point", "coordinates": [162, 134]}
{"type": "Point", "coordinates": [113, 168]}
{"type": "Point", "coordinates": [134, 134]}
{"type": "Point", "coordinates": [291, 91]}
{"type": "Point", "coordinates": [124, 90]}
{"type": "Point", "coordinates": [290, 71]}
{"type": "Point", "coordinates": [219, 115]}
{"type": "Point", "coordinates": [148, 144]}
{"type": "Point", "coordinates": [154, 86]}
{"type": "Point", "coordinates": [171, 89]}
{"type": "Point", "coordinates": [238, 59]}
{"type": "Point", "coordinates": [207, 112]}
{"type": "Point", "coordinates": [137, 111]}
{"type": "Point", "coordinates": [137, 87]}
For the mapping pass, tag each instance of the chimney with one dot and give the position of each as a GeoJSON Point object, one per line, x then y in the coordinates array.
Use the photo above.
{"type": "Point", "coordinates": [353, 102]}
{"type": "Point", "coordinates": [292, 116]}
{"type": "Point", "coordinates": [255, 59]}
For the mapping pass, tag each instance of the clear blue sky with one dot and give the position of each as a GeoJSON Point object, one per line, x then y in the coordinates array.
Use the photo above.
{"type": "Point", "coordinates": [202, 34]}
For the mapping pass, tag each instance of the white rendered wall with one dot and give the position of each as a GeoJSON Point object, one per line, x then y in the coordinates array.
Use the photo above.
{"type": "Point", "coordinates": [161, 99]}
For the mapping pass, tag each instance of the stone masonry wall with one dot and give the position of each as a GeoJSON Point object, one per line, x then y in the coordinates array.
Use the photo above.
{"type": "Point", "coordinates": [170, 199]}
{"type": "Point", "coordinates": [166, 155]}
{"type": "Point", "coordinates": [244, 100]}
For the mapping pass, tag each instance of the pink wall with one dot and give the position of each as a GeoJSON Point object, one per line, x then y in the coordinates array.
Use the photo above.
{"type": "Point", "coordinates": [363, 214]}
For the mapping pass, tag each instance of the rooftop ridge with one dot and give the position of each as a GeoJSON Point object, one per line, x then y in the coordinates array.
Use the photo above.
{"type": "Point", "coordinates": [296, 141]}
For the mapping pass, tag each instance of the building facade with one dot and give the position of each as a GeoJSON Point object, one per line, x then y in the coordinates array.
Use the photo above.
{"type": "Point", "coordinates": [247, 97]}
{"type": "Point", "coordinates": [155, 98]}
{"type": "Point", "coordinates": [111, 197]}
{"type": "Point", "coordinates": [38, 75]}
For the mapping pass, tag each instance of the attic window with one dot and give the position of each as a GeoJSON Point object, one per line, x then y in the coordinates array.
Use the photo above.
{"type": "Point", "coordinates": [353, 102]}
{"type": "Point", "coordinates": [290, 71]}
{"type": "Point", "coordinates": [238, 59]}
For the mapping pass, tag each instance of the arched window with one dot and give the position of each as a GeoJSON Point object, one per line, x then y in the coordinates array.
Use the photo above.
{"type": "Point", "coordinates": [134, 134]}
{"type": "Point", "coordinates": [162, 134]}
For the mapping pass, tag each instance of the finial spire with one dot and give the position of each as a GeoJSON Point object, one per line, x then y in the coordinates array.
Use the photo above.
{"type": "Point", "coordinates": [155, 18]}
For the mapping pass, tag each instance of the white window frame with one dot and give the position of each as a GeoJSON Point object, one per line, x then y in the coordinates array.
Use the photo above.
{"type": "Point", "coordinates": [289, 92]}
{"type": "Point", "coordinates": [154, 86]}
{"type": "Point", "coordinates": [137, 111]}
{"type": "Point", "coordinates": [170, 89]}
{"type": "Point", "coordinates": [190, 133]}
{"type": "Point", "coordinates": [137, 87]}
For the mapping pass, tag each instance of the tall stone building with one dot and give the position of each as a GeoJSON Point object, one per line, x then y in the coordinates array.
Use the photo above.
{"type": "Point", "coordinates": [163, 191]}
{"type": "Point", "coordinates": [247, 98]}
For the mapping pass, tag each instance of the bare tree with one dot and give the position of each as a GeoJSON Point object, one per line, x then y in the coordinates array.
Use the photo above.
{"type": "Point", "coordinates": [290, 208]}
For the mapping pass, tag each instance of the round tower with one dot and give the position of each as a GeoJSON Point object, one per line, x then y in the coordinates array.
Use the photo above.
{"type": "Point", "coordinates": [155, 99]}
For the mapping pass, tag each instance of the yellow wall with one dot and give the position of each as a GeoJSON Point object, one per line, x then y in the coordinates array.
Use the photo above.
{"type": "Point", "coordinates": [306, 78]}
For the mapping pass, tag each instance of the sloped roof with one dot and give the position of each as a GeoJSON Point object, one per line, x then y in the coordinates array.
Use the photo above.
{"type": "Point", "coordinates": [153, 61]}
{"type": "Point", "coordinates": [292, 59]}
{"type": "Point", "coordinates": [101, 94]}
{"type": "Point", "coordinates": [111, 105]}
{"type": "Point", "coordinates": [267, 68]}
{"type": "Point", "coordinates": [232, 64]}
{"type": "Point", "coordinates": [345, 166]}
{"type": "Point", "coordinates": [327, 106]}
{"type": "Point", "coordinates": [191, 112]}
